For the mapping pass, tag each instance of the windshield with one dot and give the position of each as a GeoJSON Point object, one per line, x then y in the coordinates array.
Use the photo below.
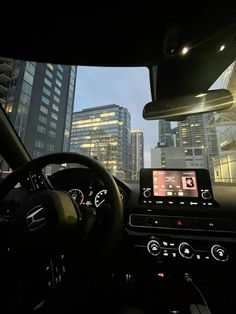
{"type": "Point", "coordinates": [97, 111]}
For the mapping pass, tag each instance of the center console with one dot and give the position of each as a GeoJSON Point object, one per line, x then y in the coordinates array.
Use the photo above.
{"type": "Point", "coordinates": [178, 219]}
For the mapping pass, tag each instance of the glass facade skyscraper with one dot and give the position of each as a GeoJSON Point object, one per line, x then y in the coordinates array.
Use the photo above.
{"type": "Point", "coordinates": [137, 151]}
{"type": "Point", "coordinates": [104, 134]}
{"type": "Point", "coordinates": [165, 135]}
{"type": "Point", "coordinates": [40, 104]}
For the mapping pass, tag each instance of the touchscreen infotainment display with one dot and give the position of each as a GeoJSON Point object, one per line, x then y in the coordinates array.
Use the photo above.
{"type": "Point", "coordinates": [174, 183]}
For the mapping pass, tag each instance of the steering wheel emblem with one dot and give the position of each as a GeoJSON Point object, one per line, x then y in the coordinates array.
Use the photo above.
{"type": "Point", "coordinates": [35, 218]}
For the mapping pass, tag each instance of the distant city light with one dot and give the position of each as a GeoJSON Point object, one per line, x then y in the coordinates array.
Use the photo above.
{"type": "Point", "coordinates": [185, 50]}
{"type": "Point", "coordinates": [222, 47]}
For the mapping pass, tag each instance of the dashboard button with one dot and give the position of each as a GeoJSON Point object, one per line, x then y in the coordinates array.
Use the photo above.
{"type": "Point", "coordinates": [153, 247]}
{"type": "Point", "coordinates": [198, 257]}
{"type": "Point", "coordinates": [206, 256]}
{"type": "Point", "coordinates": [185, 250]}
{"type": "Point", "coordinates": [174, 254]}
{"type": "Point", "coordinates": [206, 195]}
{"type": "Point", "coordinates": [147, 193]}
{"type": "Point", "coordinates": [219, 253]}
{"type": "Point", "coordinates": [165, 243]}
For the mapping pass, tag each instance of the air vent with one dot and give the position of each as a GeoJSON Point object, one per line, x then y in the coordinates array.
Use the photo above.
{"type": "Point", "coordinates": [182, 223]}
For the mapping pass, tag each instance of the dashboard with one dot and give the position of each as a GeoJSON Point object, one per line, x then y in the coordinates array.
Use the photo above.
{"type": "Point", "coordinates": [85, 187]}
{"type": "Point", "coordinates": [172, 216]}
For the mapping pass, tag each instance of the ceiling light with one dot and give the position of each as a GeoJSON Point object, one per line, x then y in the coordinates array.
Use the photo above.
{"type": "Point", "coordinates": [200, 95]}
{"type": "Point", "coordinates": [222, 47]}
{"type": "Point", "coordinates": [185, 50]}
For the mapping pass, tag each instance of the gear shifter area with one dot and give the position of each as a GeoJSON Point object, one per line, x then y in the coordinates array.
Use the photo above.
{"type": "Point", "coordinates": [165, 293]}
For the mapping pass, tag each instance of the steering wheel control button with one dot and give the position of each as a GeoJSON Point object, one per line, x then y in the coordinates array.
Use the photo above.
{"type": "Point", "coordinates": [185, 250]}
{"type": "Point", "coordinates": [206, 195]}
{"type": "Point", "coordinates": [219, 253]}
{"type": "Point", "coordinates": [153, 248]}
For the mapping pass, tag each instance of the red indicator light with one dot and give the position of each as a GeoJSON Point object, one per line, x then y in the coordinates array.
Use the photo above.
{"type": "Point", "coordinates": [179, 222]}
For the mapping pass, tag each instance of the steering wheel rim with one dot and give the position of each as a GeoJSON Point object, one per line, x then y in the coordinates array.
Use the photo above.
{"type": "Point", "coordinates": [116, 210]}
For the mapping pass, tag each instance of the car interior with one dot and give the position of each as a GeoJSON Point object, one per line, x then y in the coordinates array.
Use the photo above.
{"type": "Point", "coordinates": [165, 243]}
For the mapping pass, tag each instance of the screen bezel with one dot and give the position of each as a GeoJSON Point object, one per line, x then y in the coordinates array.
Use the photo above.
{"type": "Point", "coordinates": [202, 178]}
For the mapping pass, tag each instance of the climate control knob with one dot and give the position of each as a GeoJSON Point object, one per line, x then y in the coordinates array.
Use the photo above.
{"type": "Point", "coordinates": [206, 195]}
{"type": "Point", "coordinates": [153, 247]}
{"type": "Point", "coordinates": [147, 193]}
{"type": "Point", "coordinates": [185, 250]}
{"type": "Point", "coordinates": [219, 253]}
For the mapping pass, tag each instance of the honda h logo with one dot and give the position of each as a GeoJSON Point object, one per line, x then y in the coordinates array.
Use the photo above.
{"type": "Point", "coordinates": [35, 218]}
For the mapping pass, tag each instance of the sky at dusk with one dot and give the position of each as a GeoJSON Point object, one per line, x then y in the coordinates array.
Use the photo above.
{"type": "Point", "coordinates": [126, 87]}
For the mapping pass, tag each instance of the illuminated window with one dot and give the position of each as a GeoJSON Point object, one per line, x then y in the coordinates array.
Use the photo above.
{"type": "Point", "coordinates": [55, 107]}
{"type": "Point", "coordinates": [54, 116]}
{"type": "Point", "coordinates": [87, 145]}
{"type": "Point", "coordinates": [50, 66]}
{"type": "Point", "coordinates": [107, 114]}
{"type": "Point", "coordinates": [44, 109]}
{"type": "Point", "coordinates": [82, 124]}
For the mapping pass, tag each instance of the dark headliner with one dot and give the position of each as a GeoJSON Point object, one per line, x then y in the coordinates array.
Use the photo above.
{"type": "Point", "coordinates": [118, 37]}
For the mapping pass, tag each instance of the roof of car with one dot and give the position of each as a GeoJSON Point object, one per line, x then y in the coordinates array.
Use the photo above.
{"type": "Point", "coordinates": [117, 36]}
{"type": "Point", "coordinates": [112, 35]}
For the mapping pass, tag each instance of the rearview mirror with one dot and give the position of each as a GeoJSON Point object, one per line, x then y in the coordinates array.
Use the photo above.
{"type": "Point", "coordinates": [179, 108]}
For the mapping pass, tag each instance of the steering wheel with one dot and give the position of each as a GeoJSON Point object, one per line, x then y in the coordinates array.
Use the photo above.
{"type": "Point", "coordinates": [47, 215]}
{"type": "Point", "coordinates": [58, 204]}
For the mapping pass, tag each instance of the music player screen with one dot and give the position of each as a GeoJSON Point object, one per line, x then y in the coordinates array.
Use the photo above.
{"type": "Point", "coordinates": [174, 183]}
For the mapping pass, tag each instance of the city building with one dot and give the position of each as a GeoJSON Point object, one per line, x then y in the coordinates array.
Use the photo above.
{"type": "Point", "coordinates": [39, 102]}
{"type": "Point", "coordinates": [224, 162]}
{"type": "Point", "coordinates": [165, 135]}
{"type": "Point", "coordinates": [104, 133]}
{"type": "Point", "coordinates": [199, 140]}
{"type": "Point", "coordinates": [225, 167]}
{"type": "Point", "coordinates": [137, 153]}
{"type": "Point", "coordinates": [175, 136]}
{"type": "Point", "coordinates": [168, 157]}
{"type": "Point", "coordinates": [6, 77]}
